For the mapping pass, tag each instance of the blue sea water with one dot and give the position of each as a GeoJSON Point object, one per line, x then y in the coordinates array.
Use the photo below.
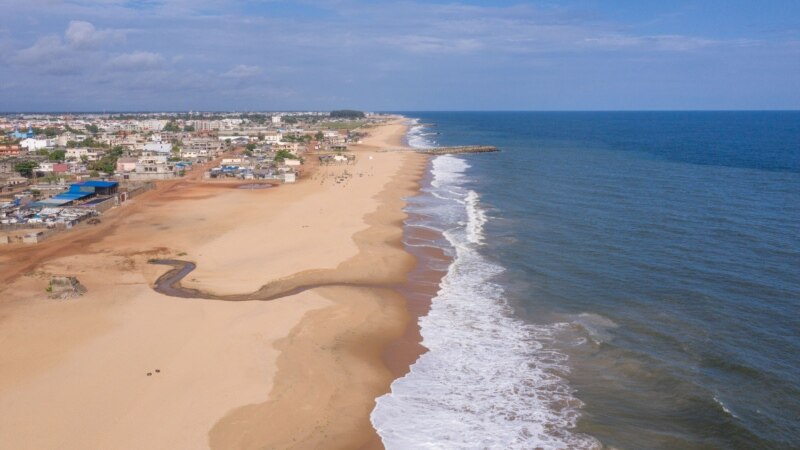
{"type": "Point", "coordinates": [621, 280]}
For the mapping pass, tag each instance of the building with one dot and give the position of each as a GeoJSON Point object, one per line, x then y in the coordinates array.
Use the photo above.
{"type": "Point", "coordinates": [33, 144]}
{"type": "Point", "coordinates": [273, 137]}
{"type": "Point", "coordinates": [153, 167]}
{"type": "Point", "coordinates": [201, 148]}
{"type": "Point", "coordinates": [80, 192]}
{"type": "Point", "coordinates": [20, 135]}
{"type": "Point", "coordinates": [78, 154]}
{"type": "Point", "coordinates": [126, 164]}
{"type": "Point", "coordinates": [158, 147]}
{"type": "Point", "coordinates": [9, 150]}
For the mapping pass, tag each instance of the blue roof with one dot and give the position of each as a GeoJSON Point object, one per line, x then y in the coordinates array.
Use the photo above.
{"type": "Point", "coordinates": [49, 202]}
{"type": "Point", "coordinates": [99, 183]}
{"type": "Point", "coordinates": [72, 195]}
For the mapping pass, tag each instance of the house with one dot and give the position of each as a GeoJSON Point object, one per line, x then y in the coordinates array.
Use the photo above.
{"type": "Point", "coordinates": [78, 154]}
{"type": "Point", "coordinates": [126, 164]}
{"type": "Point", "coordinates": [201, 148]}
{"type": "Point", "coordinates": [273, 137]}
{"type": "Point", "coordinates": [9, 150]}
{"type": "Point", "coordinates": [153, 167]}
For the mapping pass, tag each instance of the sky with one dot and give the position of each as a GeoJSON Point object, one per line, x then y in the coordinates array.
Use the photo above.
{"type": "Point", "coordinates": [379, 55]}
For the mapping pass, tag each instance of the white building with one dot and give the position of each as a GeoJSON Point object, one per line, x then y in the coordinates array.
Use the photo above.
{"type": "Point", "coordinates": [158, 147]}
{"type": "Point", "coordinates": [152, 125]}
{"type": "Point", "coordinates": [273, 137]}
{"type": "Point", "coordinates": [76, 154]}
{"type": "Point", "coordinates": [37, 144]}
{"type": "Point", "coordinates": [127, 164]}
{"type": "Point", "coordinates": [276, 120]}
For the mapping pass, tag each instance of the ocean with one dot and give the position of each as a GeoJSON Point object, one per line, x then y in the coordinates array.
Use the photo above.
{"type": "Point", "coordinates": [619, 280]}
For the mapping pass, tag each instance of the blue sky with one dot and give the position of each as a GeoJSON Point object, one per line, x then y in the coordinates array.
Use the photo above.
{"type": "Point", "coordinates": [81, 55]}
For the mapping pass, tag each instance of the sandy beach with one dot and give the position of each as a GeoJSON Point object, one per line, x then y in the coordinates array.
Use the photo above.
{"type": "Point", "coordinates": [125, 367]}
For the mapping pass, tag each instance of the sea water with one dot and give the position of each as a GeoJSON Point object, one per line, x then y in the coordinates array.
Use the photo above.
{"type": "Point", "coordinates": [627, 280]}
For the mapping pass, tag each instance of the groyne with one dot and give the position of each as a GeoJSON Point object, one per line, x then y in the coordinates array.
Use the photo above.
{"type": "Point", "coordinates": [445, 150]}
{"type": "Point", "coordinates": [457, 150]}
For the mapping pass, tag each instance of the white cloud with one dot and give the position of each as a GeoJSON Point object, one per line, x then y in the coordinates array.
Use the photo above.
{"type": "Point", "coordinates": [138, 60]}
{"type": "Point", "coordinates": [243, 72]}
{"type": "Point", "coordinates": [82, 34]}
{"type": "Point", "coordinates": [432, 44]}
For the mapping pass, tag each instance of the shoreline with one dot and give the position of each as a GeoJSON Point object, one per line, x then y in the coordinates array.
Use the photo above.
{"type": "Point", "coordinates": [73, 356]}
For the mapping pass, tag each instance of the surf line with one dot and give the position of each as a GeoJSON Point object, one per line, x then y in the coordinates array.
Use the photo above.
{"type": "Point", "coordinates": [170, 284]}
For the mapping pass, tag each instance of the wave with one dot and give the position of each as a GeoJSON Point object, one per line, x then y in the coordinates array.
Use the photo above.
{"type": "Point", "coordinates": [489, 380]}
{"type": "Point", "coordinates": [418, 136]}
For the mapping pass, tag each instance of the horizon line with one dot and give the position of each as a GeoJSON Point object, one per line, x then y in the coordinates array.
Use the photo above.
{"type": "Point", "coordinates": [244, 111]}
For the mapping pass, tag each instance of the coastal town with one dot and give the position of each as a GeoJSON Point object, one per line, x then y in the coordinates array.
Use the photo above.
{"type": "Point", "coordinates": [59, 170]}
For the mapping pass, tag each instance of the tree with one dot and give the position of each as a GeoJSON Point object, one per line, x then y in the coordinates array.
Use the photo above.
{"type": "Point", "coordinates": [319, 136]}
{"type": "Point", "coordinates": [188, 128]}
{"type": "Point", "coordinates": [50, 131]}
{"type": "Point", "coordinates": [92, 128]}
{"type": "Point", "coordinates": [172, 127]}
{"type": "Point", "coordinates": [283, 155]}
{"type": "Point", "coordinates": [347, 114]}
{"type": "Point", "coordinates": [26, 168]}
{"type": "Point", "coordinates": [250, 147]}
{"type": "Point", "coordinates": [42, 152]}
{"type": "Point", "coordinates": [57, 155]}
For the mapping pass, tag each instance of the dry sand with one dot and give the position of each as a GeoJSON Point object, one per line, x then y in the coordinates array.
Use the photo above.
{"type": "Point", "coordinates": [302, 371]}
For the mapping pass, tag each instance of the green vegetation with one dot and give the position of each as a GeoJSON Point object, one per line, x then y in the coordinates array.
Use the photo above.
{"type": "Point", "coordinates": [347, 114]}
{"type": "Point", "coordinates": [57, 155]}
{"type": "Point", "coordinates": [283, 155]}
{"type": "Point", "coordinates": [108, 163]}
{"type": "Point", "coordinates": [88, 142]}
{"type": "Point", "coordinates": [297, 138]}
{"type": "Point", "coordinates": [348, 125]}
{"type": "Point", "coordinates": [26, 168]}
{"type": "Point", "coordinates": [92, 128]}
{"type": "Point", "coordinates": [172, 127]}
{"type": "Point", "coordinates": [189, 128]}
{"type": "Point", "coordinates": [319, 136]}
{"type": "Point", "coordinates": [257, 118]}
{"type": "Point", "coordinates": [48, 131]}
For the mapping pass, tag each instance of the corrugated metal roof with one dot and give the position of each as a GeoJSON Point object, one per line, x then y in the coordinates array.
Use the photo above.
{"type": "Point", "coordinates": [51, 202]}
{"type": "Point", "coordinates": [99, 183]}
{"type": "Point", "coordinates": [69, 196]}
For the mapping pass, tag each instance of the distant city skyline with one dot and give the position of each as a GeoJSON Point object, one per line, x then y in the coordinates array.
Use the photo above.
{"type": "Point", "coordinates": [214, 55]}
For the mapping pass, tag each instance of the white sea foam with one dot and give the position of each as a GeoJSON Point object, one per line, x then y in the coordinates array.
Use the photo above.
{"type": "Point", "coordinates": [418, 135]}
{"type": "Point", "coordinates": [489, 380]}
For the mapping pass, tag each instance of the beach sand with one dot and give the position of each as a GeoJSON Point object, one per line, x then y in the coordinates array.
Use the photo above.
{"type": "Point", "coordinates": [126, 367]}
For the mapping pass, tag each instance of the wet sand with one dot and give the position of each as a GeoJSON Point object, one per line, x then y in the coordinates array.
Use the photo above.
{"type": "Point", "coordinates": [302, 370]}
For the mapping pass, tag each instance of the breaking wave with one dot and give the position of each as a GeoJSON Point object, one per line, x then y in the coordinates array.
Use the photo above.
{"type": "Point", "coordinates": [489, 380]}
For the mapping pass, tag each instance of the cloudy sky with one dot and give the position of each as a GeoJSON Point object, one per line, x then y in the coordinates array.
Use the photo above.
{"type": "Point", "coordinates": [177, 55]}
